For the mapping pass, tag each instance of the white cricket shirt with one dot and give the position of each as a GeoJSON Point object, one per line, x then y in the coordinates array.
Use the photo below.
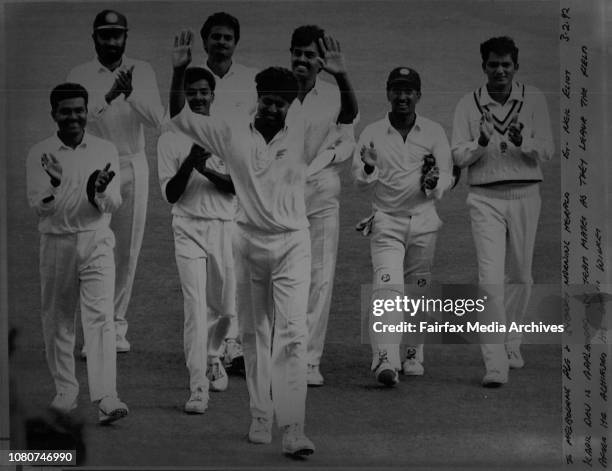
{"type": "Point", "coordinates": [269, 177]}
{"type": "Point", "coordinates": [397, 175]}
{"type": "Point", "coordinates": [122, 121]}
{"type": "Point", "coordinates": [501, 160]}
{"type": "Point", "coordinates": [70, 211]}
{"type": "Point", "coordinates": [320, 110]}
{"type": "Point", "coordinates": [235, 90]}
{"type": "Point", "coordinates": [201, 198]}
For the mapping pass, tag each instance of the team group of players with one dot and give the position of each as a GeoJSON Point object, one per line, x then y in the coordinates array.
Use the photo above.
{"type": "Point", "coordinates": [250, 163]}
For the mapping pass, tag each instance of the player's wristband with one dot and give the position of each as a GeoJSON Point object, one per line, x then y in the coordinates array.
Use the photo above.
{"type": "Point", "coordinates": [483, 142]}
{"type": "Point", "coordinates": [368, 169]}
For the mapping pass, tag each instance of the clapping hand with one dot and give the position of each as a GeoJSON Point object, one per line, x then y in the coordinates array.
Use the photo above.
{"type": "Point", "coordinates": [514, 132]}
{"type": "Point", "coordinates": [103, 178]}
{"type": "Point", "coordinates": [198, 157]}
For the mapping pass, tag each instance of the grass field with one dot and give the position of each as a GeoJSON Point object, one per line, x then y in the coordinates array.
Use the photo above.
{"type": "Point", "coordinates": [444, 419]}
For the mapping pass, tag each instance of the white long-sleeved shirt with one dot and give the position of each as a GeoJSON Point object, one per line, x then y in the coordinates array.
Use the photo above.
{"type": "Point", "coordinates": [121, 121]}
{"type": "Point", "coordinates": [501, 160]}
{"type": "Point", "coordinates": [70, 210]}
{"type": "Point", "coordinates": [269, 177]}
{"type": "Point", "coordinates": [397, 174]}
{"type": "Point", "coordinates": [320, 110]}
{"type": "Point", "coordinates": [235, 91]}
{"type": "Point", "coordinates": [201, 198]}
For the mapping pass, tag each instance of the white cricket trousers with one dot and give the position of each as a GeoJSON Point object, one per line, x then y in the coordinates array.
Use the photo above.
{"type": "Point", "coordinates": [504, 225]}
{"type": "Point", "coordinates": [273, 277]}
{"type": "Point", "coordinates": [128, 224]}
{"type": "Point", "coordinates": [402, 249]}
{"type": "Point", "coordinates": [79, 267]}
{"type": "Point", "coordinates": [203, 250]}
{"type": "Point", "coordinates": [323, 211]}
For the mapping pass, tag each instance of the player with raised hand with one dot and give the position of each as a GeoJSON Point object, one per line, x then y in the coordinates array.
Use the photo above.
{"type": "Point", "coordinates": [327, 109]}
{"type": "Point", "coordinates": [264, 154]}
{"type": "Point", "coordinates": [406, 158]}
{"type": "Point", "coordinates": [72, 186]}
{"type": "Point", "coordinates": [124, 98]}
{"type": "Point", "coordinates": [502, 133]}
{"type": "Point", "coordinates": [203, 212]}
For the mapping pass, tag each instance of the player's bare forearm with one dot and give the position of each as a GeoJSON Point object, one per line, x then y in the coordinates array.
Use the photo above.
{"type": "Point", "coordinates": [348, 100]}
{"type": "Point", "coordinates": [177, 94]}
{"type": "Point", "coordinates": [177, 184]}
{"type": "Point", "coordinates": [222, 182]}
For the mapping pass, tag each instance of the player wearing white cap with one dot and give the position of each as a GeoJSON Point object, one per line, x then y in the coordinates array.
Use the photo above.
{"type": "Point", "coordinates": [203, 212]}
{"type": "Point", "coordinates": [391, 155]}
{"type": "Point", "coordinates": [324, 108]}
{"type": "Point", "coordinates": [71, 185]}
{"type": "Point", "coordinates": [265, 157]}
{"type": "Point", "coordinates": [123, 99]}
{"type": "Point", "coordinates": [502, 133]}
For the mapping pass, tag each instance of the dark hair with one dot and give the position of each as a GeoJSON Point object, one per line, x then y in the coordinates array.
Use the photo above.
{"type": "Point", "coordinates": [220, 19]}
{"type": "Point", "coordinates": [501, 46]}
{"type": "Point", "coordinates": [305, 35]}
{"type": "Point", "coordinates": [277, 81]}
{"type": "Point", "coordinates": [65, 91]}
{"type": "Point", "coordinates": [193, 74]}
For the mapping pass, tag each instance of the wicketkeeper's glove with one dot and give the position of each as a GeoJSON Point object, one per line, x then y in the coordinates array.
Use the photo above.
{"type": "Point", "coordinates": [429, 179]}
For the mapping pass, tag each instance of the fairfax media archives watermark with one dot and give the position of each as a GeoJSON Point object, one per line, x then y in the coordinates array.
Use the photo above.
{"type": "Point", "coordinates": [543, 314]}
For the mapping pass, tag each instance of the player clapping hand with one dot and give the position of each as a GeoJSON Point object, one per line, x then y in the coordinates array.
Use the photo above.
{"type": "Point", "coordinates": [514, 132]}
{"type": "Point", "coordinates": [486, 128]}
{"type": "Point", "coordinates": [121, 85]}
{"type": "Point", "coordinates": [197, 158]}
{"type": "Point", "coordinates": [53, 168]}
{"type": "Point", "coordinates": [103, 178]}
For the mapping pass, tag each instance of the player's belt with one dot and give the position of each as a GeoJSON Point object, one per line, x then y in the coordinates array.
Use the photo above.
{"type": "Point", "coordinates": [501, 125]}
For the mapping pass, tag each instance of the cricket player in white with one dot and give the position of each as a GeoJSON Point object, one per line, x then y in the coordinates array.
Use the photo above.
{"type": "Point", "coordinates": [235, 83]}
{"type": "Point", "coordinates": [234, 92]}
{"type": "Point", "coordinates": [325, 109]}
{"type": "Point", "coordinates": [71, 185]}
{"type": "Point", "coordinates": [502, 133]}
{"type": "Point", "coordinates": [265, 158]}
{"type": "Point", "coordinates": [203, 216]}
{"type": "Point", "coordinates": [390, 156]}
{"type": "Point", "coordinates": [123, 98]}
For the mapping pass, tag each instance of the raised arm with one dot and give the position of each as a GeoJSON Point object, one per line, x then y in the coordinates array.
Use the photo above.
{"type": "Point", "coordinates": [181, 58]}
{"type": "Point", "coordinates": [211, 133]}
{"type": "Point", "coordinates": [333, 62]}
